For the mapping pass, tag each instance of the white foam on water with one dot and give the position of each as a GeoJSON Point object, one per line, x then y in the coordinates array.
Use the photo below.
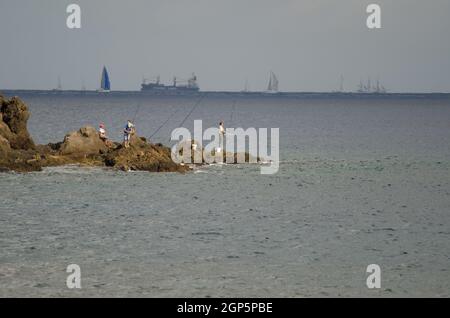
{"type": "Point", "coordinates": [72, 169]}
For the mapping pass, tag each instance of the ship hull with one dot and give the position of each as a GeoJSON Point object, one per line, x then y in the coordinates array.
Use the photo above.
{"type": "Point", "coordinates": [168, 90]}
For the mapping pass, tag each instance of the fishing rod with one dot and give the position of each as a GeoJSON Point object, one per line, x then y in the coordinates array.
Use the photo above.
{"type": "Point", "coordinates": [192, 110]}
{"type": "Point", "coordinates": [137, 111]}
{"type": "Point", "coordinates": [232, 112]}
{"type": "Point", "coordinates": [164, 123]}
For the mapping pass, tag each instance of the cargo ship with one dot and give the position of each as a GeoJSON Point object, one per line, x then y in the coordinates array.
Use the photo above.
{"type": "Point", "coordinates": [179, 86]}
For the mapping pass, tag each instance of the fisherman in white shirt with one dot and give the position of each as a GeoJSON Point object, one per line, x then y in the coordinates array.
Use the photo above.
{"type": "Point", "coordinates": [221, 135]}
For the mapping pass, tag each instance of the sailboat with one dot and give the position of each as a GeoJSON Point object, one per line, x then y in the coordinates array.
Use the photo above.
{"type": "Point", "coordinates": [361, 87]}
{"type": "Point", "coordinates": [370, 88]}
{"type": "Point", "coordinates": [246, 87]}
{"type": "Point", "coordinates": [380, 88]}
{"type": "Point", "coordinates": [105, 85]}
{"type": "Point", "coordinates": [59, 87]}
{"type": "Point", "coordinates": [273, 83]}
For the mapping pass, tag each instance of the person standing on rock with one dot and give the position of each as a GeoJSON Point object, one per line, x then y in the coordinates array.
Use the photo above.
{"type": "Point", "coordinates": [102, 131]}
{"type": "Point", "coordinates": [102, 134]}
{"type": "Point", "coordinates": [127, 132]}
{"type": "Point", "coordinates": [221, 135]}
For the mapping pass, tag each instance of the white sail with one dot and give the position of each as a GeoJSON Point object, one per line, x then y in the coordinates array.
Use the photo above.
{"type": "Point", "coordinates": [273, 83]}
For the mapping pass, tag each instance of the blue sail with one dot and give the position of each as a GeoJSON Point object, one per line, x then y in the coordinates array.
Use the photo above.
{"type": "Point", "coordinates": [106, 84]}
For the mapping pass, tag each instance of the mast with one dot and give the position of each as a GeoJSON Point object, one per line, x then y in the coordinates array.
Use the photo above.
{"type": "Point", "coordinates": [102, 80]}
{"type": "Point", "coordinates": [360, 87]}
{"type": "Point", "coordinates": [59, 84]}
{"type": "Point", "coordinates": [269, 88]}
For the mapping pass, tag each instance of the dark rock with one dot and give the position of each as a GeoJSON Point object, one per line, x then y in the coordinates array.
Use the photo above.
{"type": "Point", "coordinates": [13, 124]}
{"type": "Point", "coordinates": [17, 149]}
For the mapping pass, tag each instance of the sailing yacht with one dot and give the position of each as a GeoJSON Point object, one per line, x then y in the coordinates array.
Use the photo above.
{"type": "Point", "coordinates": [105, 85]}
{"type": "Point", "coordinates": [246, 87]}
{"type": "Point", "coordinates": [371, 89]}
{"type": "Point", "coordinates": [59, 87]}
{"type": "Point", "coordinates": [273, 83]}
{"type": "Point", "coordinates": [361, 87]}
{"type": "Point", "coordinates": [380, 88]}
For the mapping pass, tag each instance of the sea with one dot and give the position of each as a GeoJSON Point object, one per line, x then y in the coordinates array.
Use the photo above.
{"type": "Point", "coordinates": [363, 179]}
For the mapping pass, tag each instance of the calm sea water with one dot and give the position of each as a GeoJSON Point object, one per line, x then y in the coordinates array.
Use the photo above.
{"type": "Point", "coordinates": [332, 127]}
{"type": "Point", "coordinates": [362, 180]}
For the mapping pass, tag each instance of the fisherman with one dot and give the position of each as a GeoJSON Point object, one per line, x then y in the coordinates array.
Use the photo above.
{"type": "Point", "coordinates": [102, 134]}
{"type": "Point", "coordinates": [221, 135]}
{"type": "Point", "coordinates": [127, 132]}
{"type": "Point", "coordinates": [221, 128]}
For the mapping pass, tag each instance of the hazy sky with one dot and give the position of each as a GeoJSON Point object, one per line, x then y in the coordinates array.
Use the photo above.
{"type": "Point", "coordinates": [307, 43]}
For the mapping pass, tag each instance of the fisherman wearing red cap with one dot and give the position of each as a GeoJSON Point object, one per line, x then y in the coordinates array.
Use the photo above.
{"type": "Point", "coordinates": [102, 134]}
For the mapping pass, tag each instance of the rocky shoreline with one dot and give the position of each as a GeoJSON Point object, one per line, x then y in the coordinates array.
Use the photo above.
{"type": "Point", "coordinates": [19, 153]}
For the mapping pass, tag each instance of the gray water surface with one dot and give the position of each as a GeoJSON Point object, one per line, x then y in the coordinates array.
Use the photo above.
{"type": "Point", "coordinates": [362, 181]}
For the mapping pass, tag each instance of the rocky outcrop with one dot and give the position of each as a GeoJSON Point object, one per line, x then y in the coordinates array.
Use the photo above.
{"type": "Point", "coordinates": [19, 153]}
{"type": "Point", "coordinates": [13, 124]}
{"type": "Point", "coordinates": [85, 141]}
{"type": "Point", "coordinates": [17, 149]}
{"type": "Point", "coordinates": [144, 156]}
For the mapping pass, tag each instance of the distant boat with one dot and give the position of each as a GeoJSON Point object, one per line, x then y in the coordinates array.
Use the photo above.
{"type": "Point", "coordinates": [371, 89]}
{"type": "Point", "coordinates": [186, 87]}
{"type": "Point", "coordinates": [361, 87]}
{"type": "Point", "coordinates": [59, 87]}
{"type": "Point", "coordinates": [341, 85]}
{"type": "Point", "coordinates": [273, 83]}
{"type": "Point", "coordinates": [105, 85]}
{"type": "Point", "coordinates": [380, 88]}
{"type": "Point", "coordinates": [246, 87]}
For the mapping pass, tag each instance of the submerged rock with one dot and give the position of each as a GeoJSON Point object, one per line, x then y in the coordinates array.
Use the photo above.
{"type": "Point", "coordinates": [200, 155]}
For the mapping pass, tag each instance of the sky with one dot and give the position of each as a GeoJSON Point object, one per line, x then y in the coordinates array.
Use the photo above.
{"type": "Point", "coordinates": [308, 44]}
